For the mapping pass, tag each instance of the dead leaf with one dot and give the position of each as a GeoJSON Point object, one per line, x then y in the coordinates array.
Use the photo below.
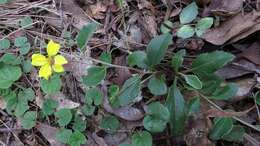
{"type": "Point", "coordinates": [99, 140]}
{"type": "Point", "coordinates": [115, 139]}
{"type": "Point", "coordinates": [121, 75]}
{"type": "Point", "coordinates": [244, 88]}
{"type": "Point", "coordinates": [175, 12]}
{"type": "Point", "coordinates": [218, 113]}
{"type": "Point", "coordinates": [98, 10]}
{"type": "Point", "coordinates": [63, 101]}
{"type": "Point", "coordinates": [237, 69]}
{"type": "Point", "coordinates": [78, 67]}
{"type": "Point", "coordinates": [225, 7]}
{"type": "Point", "coordinates": [49, 133]}
{"type": "Point", "coordinates": [252, 53]}
{"type": "Point", "coordinates": [2, 103]}
{"type": "Point", "coordinates": [235, 28]}
{"type": "Point", "coordinates": [149, 24]}
{"type": "Point", "coordinates": [128, 113]}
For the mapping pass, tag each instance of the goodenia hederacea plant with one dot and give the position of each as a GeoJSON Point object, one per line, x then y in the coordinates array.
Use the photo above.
{"type": "Point", "coordinates": [52, 63]}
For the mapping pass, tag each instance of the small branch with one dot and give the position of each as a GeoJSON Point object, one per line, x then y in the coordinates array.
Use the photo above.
{"type": "Point", "coordinates": [236, 118]}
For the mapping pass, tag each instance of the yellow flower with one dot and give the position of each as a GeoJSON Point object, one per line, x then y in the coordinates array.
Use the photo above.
{"type": "Point", "coordinates": [52, 62]}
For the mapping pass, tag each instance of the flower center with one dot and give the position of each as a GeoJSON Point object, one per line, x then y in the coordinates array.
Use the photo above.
{"type": "Point", "coordinates": [50, 60]}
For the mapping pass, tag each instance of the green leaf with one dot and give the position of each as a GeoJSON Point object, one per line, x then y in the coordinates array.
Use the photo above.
{"type": "Point", "coordinates": [225, 93]}
{"type": "Point", "coordinates": [189, 13]}
{"type": "Point", "coordinates": [113, 90]}
{"type": "Point", "coordinates": [63, 135]}
{"type": "Point", "coordinates": [106, 57]}
{"type": "Point", "coordinates": [185, 32]}
{"type": "Point", "coordinates": [29, 120]}
{"type": "Point", "coordinates": [27, 94]}
{"type": "Point", "coordinates": [85, 34]}
{"type": "Point", "coordinates": [154, 125]}
{"type": "Point", "coordinates": [26, 21]}
{"type": "Point", "coordinates": [27, 66]}
{"type": "Point", "coordinates": [193, 81]}
{"type": "Point", "coordinates": [52, 85]}
{"type": "Point", "coordinates": [222, 127]}
{"type": "Point", "coordinates": [235, 135]}
{"type": "Point", "coordinates": [23, 44]}
{"type": "Point", "coordinates": [159, 111]}
{"type": "Point", "coordinates": [156, 49]}
{"type": "Point", "coordinates": [156, 118]}
{"type": "Point", "coordinates": [208, 63]}
{"type": "Point", "coordinates": [79, 124]}
{"type": "Point", "coordinates": [203, 25]}
{"type": "Point", "coordinates": [4, 43]}
{"type": "Point", "coordinates": [88, 110]}
{"type": "Point", "coordinates": [130, 90]}
{"type": "Point", "coordinates": [157, 86]}
{"type": "Point", "coordinates": [49, 106]}
{"type": "Point", "coordinates": [177, 60]}
{"type": "Point", "coordinates": [110, 124]}
{"type": "Point", "coordinates": [193, 106]}
{"type": "Point", "coordinates": [257, 97]}
{"type": "Point", "coordinates": [176, 106]}
{"type": "Point", "coordinates": [10, 59]}
{"type": "Point", "coordinates": [137, 58]}
{"type": "Point", "coordinates": [211, 83]}
{"type": "Point", "coordinates": [166, 26]}
{"type": "Point", "coordinates": [142, 138]}
{"type": "Point", "coordinates": [93, 94]}
{"type": "Point", "coordinates": [8, 75]}
{"type": "Point", "coordinates": [64, 116]}
{"type": "Point", "coordinates": [77, 138]}
{"type": "Point", "coordinates": [95, 75]}
{"type": "Point", "coordinates": [3, 1]}
{"type": "Point", "coordinates": [21, 107]}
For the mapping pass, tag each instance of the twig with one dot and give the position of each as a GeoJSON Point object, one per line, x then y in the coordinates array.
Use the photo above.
{"type": "Point", "coordinates": [236, 118]}
{"type": "Point", "coordinates": [105, 63]}
{"type": "Point", "coordinates": [19, 30]}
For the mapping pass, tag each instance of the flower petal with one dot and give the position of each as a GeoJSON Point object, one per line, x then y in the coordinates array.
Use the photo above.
{"type": "Point", "coordinates": [58, 68]}
{"type": "Point", "coordinates": [52, 48]}
{"type": "Point", "coordinates": [60, 60]}
{"type": "Point", "coordinates": [39, 60]}
{"type": "Point", "coordinates": [45, 71]}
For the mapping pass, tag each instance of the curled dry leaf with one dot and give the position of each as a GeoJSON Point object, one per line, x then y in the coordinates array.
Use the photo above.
{"type": "Point", "coordinates": [225, 7]}
{"type": "Point", "coordinates": [128, 113]}
{"type": "Point", "coordinates": [49, 133]}
{"type": "Point", "coordinates": [244, 88]}
{"type": "Point", "coordinates": [64, 102]}
{"type": "Point", "coordinates": [78, 67]}
{"type": "Point", "coordinates": [98, 10]}
{"type": "Point", "coordinates": [218, 113]}
{"type": "Point", "coordinates": [234, 29]}
{"type": "Point", "coordinates": [99, 140]}
{"type": "Point", "coordinates": [2, 103]}
{"type": "Point", "coordinates": [252, 53]}
{"type": "Point", "coordinates": [115, 139]}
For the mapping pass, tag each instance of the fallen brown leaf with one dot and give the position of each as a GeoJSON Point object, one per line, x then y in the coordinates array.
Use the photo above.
{"type": "Point", "coordinates": [234, 29]}
{"type": "Point", "coordinates": [244, 88]}
{"type": "Point", "coordinates": [2, 103]}
{"type": "Point", "coordinates": [252, 53]}
{"type": "Point", "coordinates": [49, 133]}
{"type": "Point", "coordinates": [98, 10]}
{"type": "Point", "coordinates": [218, 113]}
{"type": "Point", "coordinates": [64, 102]}
{"type": "Point", "coordinates": [128, 113]}
{"type": "Point", "coordinates": [225, 7]}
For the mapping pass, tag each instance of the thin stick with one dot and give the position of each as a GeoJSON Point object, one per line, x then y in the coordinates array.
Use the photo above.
{"type": "Point", "coordinates": [236, 118]}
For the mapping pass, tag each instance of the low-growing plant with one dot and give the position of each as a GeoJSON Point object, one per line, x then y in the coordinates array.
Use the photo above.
{"type": "Point", "coordinates": [173, 111]}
